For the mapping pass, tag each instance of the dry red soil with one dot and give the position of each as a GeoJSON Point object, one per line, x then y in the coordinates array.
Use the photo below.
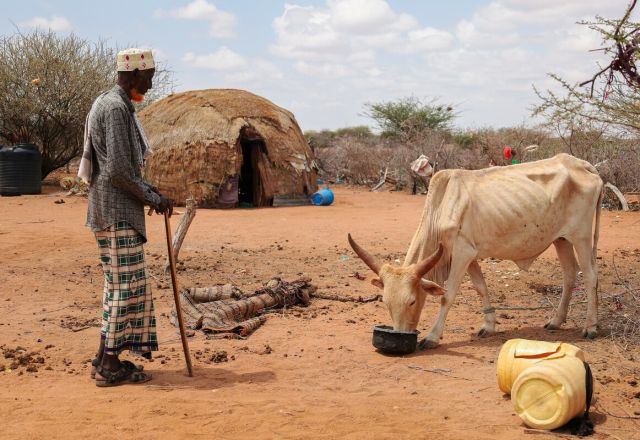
{"type": "Point", "coordinates": [308, 372]}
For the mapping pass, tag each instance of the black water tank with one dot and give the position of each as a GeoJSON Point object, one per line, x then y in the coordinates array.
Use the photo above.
{"type": "Point", "coordinates": [20, 170]}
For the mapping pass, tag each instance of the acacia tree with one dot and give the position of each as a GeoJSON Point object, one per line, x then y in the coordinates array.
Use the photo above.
{"type": "Point", "coordinates": [610, 98]}
{"type": "Point", "coordinates": [599, 118]}
{"type": "Point", "coordinates": [47, 85]}
{"type": "Point", "coordinates": [406, 116]}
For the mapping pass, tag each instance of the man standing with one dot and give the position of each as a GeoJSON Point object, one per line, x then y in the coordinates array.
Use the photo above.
{"type": "Point", "coordinates": [112, 161]}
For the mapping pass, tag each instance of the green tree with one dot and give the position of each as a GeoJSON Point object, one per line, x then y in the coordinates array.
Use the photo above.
{"type": "Point", "coordinates": [406, 116]}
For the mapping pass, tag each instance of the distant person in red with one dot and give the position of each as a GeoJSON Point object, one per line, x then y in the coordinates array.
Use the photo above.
{"type": "Point", "coordinates": [509, 155]}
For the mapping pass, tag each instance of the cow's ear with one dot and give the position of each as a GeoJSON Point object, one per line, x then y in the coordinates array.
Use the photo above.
{"type": "Point", "coordinates": [431, 288]}
{"type": "Point", "coordinates": [377, 282]}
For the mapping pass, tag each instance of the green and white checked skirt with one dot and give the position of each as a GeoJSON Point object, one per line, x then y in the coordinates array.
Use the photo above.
{"type": "Point", "coordinates": [128, 321]}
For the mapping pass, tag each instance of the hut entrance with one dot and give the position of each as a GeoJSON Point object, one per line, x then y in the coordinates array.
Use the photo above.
{"type": "Point", "coordinates": [250, 186]}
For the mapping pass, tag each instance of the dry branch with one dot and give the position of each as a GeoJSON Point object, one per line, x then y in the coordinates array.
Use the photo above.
{"type": "Point", "coordinates": [382, 181]}
{"type": "Point", "coordinates": [443, 371]}
{"type": "Point", "coordinates": [181, 232]}
{"type": "Point", "coordinates": [623, 61]}
{"type": "Point", "coordinates": [619, 195]}
{"type": "Point", "coordinates": [345, 298]}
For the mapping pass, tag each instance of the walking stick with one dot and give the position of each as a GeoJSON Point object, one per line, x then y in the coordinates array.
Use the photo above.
{"type": "Point", "coordinates": [176, 297]}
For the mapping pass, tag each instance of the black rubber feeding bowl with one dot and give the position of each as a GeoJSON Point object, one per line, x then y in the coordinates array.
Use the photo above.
{"type": "Point", "coordinates": [390, 341]}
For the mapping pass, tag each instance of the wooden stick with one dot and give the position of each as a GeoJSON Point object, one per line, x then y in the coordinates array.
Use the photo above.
{"type": "Point", "coordinates": [176, 297]}
{"type": "Point", "coordinates": [345, 298]}
{"type": "Point", "coordinates": [181, 231]}
{"type": "Point", "coordinates": [619, 195]}
{"type": "Point", "coordinates": [382, 181]}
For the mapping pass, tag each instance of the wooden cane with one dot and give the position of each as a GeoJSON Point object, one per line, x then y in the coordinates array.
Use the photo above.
{"type": "Point", "coordinates": [176, 297]}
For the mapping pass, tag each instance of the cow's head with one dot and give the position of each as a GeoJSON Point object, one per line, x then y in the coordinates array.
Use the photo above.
{"type": "Point", "coordinates": [404, 288]}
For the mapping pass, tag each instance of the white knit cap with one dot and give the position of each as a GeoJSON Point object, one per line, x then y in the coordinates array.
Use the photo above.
{"type": "Point", "coordinates": [132, 59]}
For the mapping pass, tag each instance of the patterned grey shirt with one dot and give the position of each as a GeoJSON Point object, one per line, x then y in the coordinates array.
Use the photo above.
{"type": "Point", "coordinates": [117, 191]}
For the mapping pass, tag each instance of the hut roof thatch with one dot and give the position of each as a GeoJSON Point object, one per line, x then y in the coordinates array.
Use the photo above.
{"type": "Point", "coordinates": [196, 139]}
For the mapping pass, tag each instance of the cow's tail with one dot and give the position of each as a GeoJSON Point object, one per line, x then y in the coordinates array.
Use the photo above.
{"type": "Point", "coordinates": [596, 233]}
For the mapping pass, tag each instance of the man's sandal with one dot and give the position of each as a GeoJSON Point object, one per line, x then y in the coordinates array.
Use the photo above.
{"type": "Point", "coordinates": [123, 375]}
{"type": "Point", "coordinates": [128, 364]}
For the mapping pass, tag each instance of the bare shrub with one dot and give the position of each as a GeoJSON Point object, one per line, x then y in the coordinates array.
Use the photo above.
{"type": "Point", "coordinates": [363, 159]}
{"type": "Point", "coordinates": [356, 160]}
{"type": "Point", "coordinates": [621, 168]}
{"type": "Point", "coordinates": [47, 85]}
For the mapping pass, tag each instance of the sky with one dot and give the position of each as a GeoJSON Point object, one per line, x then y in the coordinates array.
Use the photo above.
{"type": "Point", "coordinates": [325, 59]}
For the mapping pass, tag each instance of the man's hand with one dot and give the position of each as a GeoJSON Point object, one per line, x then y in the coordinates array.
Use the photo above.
{"type": "Point", "coordinates": [165, 205]}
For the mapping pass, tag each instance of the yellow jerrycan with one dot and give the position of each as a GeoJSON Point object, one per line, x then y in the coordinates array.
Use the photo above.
{"type": "Point", "coordinates": [549, 394]}
{"type": "Point", "coordinates": [516, 355]}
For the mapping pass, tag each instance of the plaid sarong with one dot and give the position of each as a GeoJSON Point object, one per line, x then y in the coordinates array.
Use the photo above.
{"type": "Point", "coordinates": [128, 321]}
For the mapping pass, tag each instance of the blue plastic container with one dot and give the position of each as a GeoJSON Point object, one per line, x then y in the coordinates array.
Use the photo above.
{"type": "Point", "coordinates": [323, 197]}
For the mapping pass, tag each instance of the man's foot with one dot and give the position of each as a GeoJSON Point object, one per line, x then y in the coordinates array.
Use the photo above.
{"type": "Point", "coordinates": [128, 364]}
{"type": "Point", "coordinates": [123, 375]}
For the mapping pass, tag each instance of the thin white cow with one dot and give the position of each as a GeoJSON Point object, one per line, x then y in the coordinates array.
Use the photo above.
{"type": "Point", "coordinates": [511, 213]}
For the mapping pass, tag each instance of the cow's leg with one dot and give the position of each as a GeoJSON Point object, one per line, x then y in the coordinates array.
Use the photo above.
{"type": "Point", "coordinates": [475, 273]}
{"type": "Point", "coordinates": [459, 264]}
{"type": "Point", "coordinates": [569, 269]}
{"type": "Point", "coordinates": [590, 274]}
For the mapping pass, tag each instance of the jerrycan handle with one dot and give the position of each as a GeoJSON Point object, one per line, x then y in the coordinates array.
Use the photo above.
{"type": "Point", "coordinates": [525, 354]}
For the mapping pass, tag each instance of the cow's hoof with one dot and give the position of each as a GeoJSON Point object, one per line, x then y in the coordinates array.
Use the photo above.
{"type": "Point", "coordinates": [427, 344]}
{"type": "Point", "coordinates": [550, 326]}
{"type": "Point", "coordinates": [483, 333]}
{"type": "Point", "coordinates": [589, 334]}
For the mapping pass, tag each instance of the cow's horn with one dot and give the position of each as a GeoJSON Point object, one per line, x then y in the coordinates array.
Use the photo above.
{"type": "Point", "coordinates": [368, 259]}
{"type": "Point", "coordinates": [425, 265]}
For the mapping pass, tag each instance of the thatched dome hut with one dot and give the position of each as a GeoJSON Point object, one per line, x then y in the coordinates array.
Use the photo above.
{"type": "Point", "coordinates": [226, 147]}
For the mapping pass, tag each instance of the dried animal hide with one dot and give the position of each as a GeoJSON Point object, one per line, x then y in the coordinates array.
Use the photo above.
{"type": "Point", "coordinates": [226, 311]}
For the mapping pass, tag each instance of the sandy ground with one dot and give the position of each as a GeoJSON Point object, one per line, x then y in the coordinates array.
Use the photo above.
{"type": "Point", "coordinates": [308, 372]}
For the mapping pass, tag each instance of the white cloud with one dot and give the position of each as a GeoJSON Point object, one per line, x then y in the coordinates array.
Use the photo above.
{"type": "Point", "coordinates": [324, 70]}
{"type": "Point", "coordinates": [581, 39]}
{"type": "Point", "coordinates": [342, 28]}
{"type": "Point", "coordinates": [158, 53]}
{"type": "Point", "coordinates": [429, 39]}
{"type": "Point", "coordinates": [339, 54]}
{"type": "Point", "coordinates": [233, 67]}
{"type": "Point", "coordinates": [368, 16]}
{"type": "Point", "coordinates": [480, 35]}
{"type": "Point", "coordinates": [56, 23]}
{"type": "Point", "coordinates": [221, 24]}
{"type": "Point", "coordinates": [224, 59]}
{"type": "Point", "coordinates": [305, 33]}
{"type": "Point", "coordinates": [261, 71]}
